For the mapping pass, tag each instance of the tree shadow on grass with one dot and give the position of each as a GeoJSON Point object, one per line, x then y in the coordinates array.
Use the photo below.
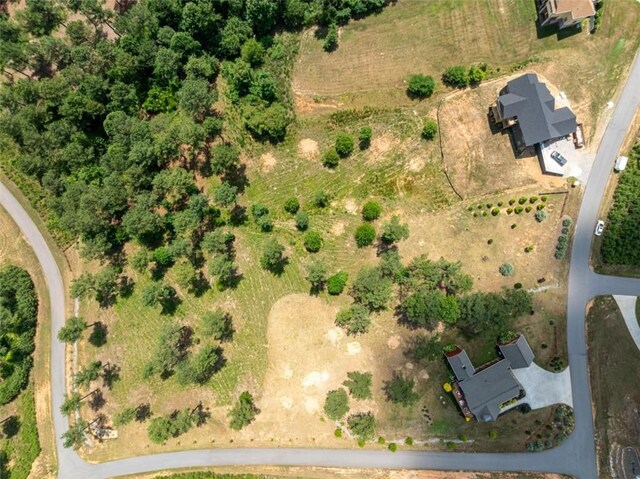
{"type": "Point", "coordinates": [98, 336]}
{"type": "Point", "coordinates": [10, 427]}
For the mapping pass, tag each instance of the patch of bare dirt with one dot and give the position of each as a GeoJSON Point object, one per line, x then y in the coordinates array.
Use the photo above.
{"type": "Point", "coordinates": [267, 162]}
{"type": "Point", "coordinates": [380, 146]}
{"type": "Point", "coordinates": [337, 228]}
{"type": "Point", "coordinates": [351, 206]}
{"type": "Point", "coordinates": [416, 164]}
{"type": "Point", "coordinates": [308, 148]}
{"type": "Point", "coordinates": [394, 342]}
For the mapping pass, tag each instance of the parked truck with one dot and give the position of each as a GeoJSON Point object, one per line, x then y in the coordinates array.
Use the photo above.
{"type": "Point", "coordinates": [621, 164]}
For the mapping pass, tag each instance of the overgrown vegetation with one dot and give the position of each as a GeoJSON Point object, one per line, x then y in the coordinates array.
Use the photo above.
{"type": "Point", "coordinates": [19, 443]}
{"type": "Point", "coordinates": [621, 234]}
{"type": "Point", "coordinates": [18, 317]}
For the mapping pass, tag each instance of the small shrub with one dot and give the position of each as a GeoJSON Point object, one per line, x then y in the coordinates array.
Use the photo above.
{"type": "Point", "coordinates": [470, 208]}
{"type": "Point", "coordinates": [364, 137]}
{"type": "Point", "coordinates": [517, 286]}
{"type": "Point", "coordinates": [265, 223]}
{"type": "Point", "coordinates": [480, 207]}
{"type": "Point", "coordinates": [475, 215]}
{"type": "Point", "coordinates": [421, 86]}
{"type": "Point", "coordinates": [292, 205]}
{"type": "Point", "coordinates": [495, 212]}
{"type": "Point", "coordinates": [302, 221]}
{"type": "Point", "coordinates": [544, 198]}
{"type": "Point", "coordinates": [409, 441]}
{"type": "Point", "coordinates": [430, 129]}
{"type": "Point", "coordinates": [493, 434]}
{"type": "Point", "coordinates": [490, 241]}
{"type": "Point", "coordinates": [506, 269]}
{"type": "Point", "coordinates": [463, 437]}
{"type": "Point", "coordinates": [344, 145]}
{"type": "Point", "coordinates": [512, 201]}
{"type": "Point", "coordinates": [337, 282]}
{"type": "Point", "coordinates": [381, 440]}
{"type": "Point", "coordinates": [509, 211]}
{"type": "Point", "coordinates": [321, 199]}
{"type": "Point", "coordinates": [528, 208]}
{"type": "Point", "coordinates": [484, 213]}
{"type": "Point", "coordinates": [393, 447]}
{"type": "Point", "coordinates": [456, 77]}
{"type": "Point", "coordinates": [566, 222]}
{"type": "Point", "coordinates": [500, 203]}
{"type": "Point", "coordinates": [338, 432]}
{"type": "Point", "coordinates": [361, 442]}
{"type": "Point", "coordinates": [331, 159]}
{"type": "Point", "coordinates": [540, 207]}
{"type": "Point", "coordinates": [312, 241]}
{"type": "Point", "coordinates": [518, 209]}
{"type": "Point", "coordinates": [365, 235]}
{"type": "Point", "coordinates": [522, 200]}
{"type": "Point", "coordinates": [541, 215]}
{"type": "Point", "coordinates": [533, 199]}
{"type": "Point", "coordinates": [489, 206]}
{"type": "Point", "coordinates": [528, 249]}
{"type": "Point", "coordinates": [514, 226]}
{"type": "Point", "coordinates": [451, 445]}
{"type": "Point", "coordinates": [371, 211]}
{"type": "Point", "coordinates": [564, 231]}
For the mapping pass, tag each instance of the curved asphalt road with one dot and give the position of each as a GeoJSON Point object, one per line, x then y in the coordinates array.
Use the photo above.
{"type": "Point", "coordinates": [576, 456]}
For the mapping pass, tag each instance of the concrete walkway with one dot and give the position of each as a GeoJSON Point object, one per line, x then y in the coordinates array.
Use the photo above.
{"type": "Point", "coordinates": [543, 387]}
{"type": "Point", "coordinates": [627, 306]}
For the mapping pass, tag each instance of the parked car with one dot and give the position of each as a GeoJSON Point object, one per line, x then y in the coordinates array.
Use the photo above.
{"type": "Point", "coordinates": [621, 164]}
{"type": "Point", "coordinates": [561, 160]}
{"type": "Point", "coordinates": [599, 228]}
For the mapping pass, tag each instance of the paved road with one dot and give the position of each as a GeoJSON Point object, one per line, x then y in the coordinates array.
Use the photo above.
{"type": "Point", "coordinates": [576, 456]}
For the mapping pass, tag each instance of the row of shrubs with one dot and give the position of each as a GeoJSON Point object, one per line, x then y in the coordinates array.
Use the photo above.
{"type": "Point", "coordinates": [563, 240]}
{"type": "Point", "coordinates": [495, 210]}
{"type": "Point", "coordinates": [345, 143]}
{"type": "Point", "coordinates": [458, 76]}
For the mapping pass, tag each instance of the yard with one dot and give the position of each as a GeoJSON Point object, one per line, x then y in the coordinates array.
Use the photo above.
{"type": "Point", "coordinates": [376, 55]}
{"type": "Point", "coordinates": [613, 362]}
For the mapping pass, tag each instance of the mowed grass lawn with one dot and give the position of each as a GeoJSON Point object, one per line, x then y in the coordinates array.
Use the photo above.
{"type": "Point", "coordinates": [377, 54]}
{"type": "Point", "coordinates": [614, 363]}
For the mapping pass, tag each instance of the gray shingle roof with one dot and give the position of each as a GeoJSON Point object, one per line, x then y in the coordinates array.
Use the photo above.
{"type": "Point", "coordinates": [487, 389]}
{"type": "Point", "coordinates": [461, 365]}
{"type": "Point", "coordinates": [530, 101]}
{"type": "Point", "coordinates": [518, 353]}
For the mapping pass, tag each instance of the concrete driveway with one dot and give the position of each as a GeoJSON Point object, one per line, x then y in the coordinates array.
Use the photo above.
{"type": "Point", "coordinates": [543, 387]}
{"type": "Point", "coordinates": [627, 306]}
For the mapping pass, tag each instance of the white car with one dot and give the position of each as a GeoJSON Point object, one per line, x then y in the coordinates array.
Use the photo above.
{"type": "Point", "coordinates": [599, 228]}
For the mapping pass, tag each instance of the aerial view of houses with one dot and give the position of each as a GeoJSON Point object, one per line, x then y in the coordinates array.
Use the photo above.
{"type": "Point", "coordinates": [260, 239]}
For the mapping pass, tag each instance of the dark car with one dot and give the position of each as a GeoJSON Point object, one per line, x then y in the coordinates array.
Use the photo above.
{"type": "Point", "coordinates": [561, 160]}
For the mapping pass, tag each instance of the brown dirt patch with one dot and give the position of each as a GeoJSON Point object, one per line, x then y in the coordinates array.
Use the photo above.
{"type": "Point", "coordinates": [351, 206]}
{"type": "Point", "coordinates": [337, 228]}
{"type": "Point", "coordinates": [308, 148]}
{"type": "Point", "coordinates": [267, 162]}
{"type": "Point", "coordinates": [304, 342]}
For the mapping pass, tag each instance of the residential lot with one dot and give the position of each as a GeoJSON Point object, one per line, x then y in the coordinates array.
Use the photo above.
{"type": "Point", "coordinates": [613, 362]}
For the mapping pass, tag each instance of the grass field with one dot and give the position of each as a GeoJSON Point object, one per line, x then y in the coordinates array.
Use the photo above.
{"type": "Point", "coordinates": [377, 54]}
{"type": "Point", "coordinates": [15, 250]}
{"type": "Point", "coordinates": [613, 362]}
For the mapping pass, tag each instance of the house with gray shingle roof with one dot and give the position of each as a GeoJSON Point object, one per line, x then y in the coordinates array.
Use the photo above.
{"type": "Point", "coordinates": [527, 106]}
{"type": "Point", "coordinates": [487, 390]}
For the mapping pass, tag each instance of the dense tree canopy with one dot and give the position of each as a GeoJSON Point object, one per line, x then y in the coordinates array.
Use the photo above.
{"type": "Point", "coordinates": [18, 316]}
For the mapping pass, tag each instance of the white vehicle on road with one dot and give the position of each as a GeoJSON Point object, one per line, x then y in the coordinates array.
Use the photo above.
{"type": "Point", "coordinates": [599, 228]}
